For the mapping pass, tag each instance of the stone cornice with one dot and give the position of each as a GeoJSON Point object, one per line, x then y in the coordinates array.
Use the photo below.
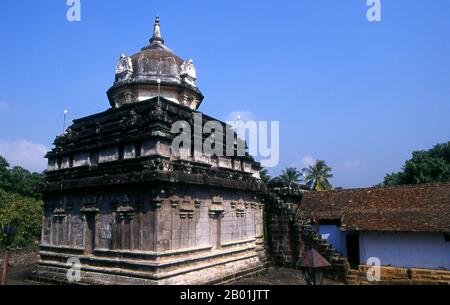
{"type": "Point", "coordinates": [148, 176]}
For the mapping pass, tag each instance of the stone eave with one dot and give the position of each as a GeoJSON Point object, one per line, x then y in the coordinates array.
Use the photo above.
{"type": "Point", "coordinates": [152, 176]}
{"type": "Point", "coordinates": [143, 81]}
{"type": "Point", "coordinates": [99, 144]}
{"type": "Point", "coordinates": [151, 82]}
{"type": "Point", "coordinates": [143, 104]}
{"type": "Point", "coordinates": [112, 116]}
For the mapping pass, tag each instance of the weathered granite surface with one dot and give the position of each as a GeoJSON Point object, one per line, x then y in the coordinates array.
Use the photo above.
{"type": "Point", "coordinates": [134, 211]}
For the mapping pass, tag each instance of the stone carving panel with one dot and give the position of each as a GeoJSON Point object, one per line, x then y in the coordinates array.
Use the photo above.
{"type": "Point", "coordinates": [189, 72]}
{"type": "Point", "coordinates": [124, 68]}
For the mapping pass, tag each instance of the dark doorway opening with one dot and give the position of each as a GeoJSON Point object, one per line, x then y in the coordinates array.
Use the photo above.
{"type": "Point", "coordinates": [353, 250]}
{"type": "Point", "coordinates": [219, 231]}
{"type": "Point", "coordinates": [216, 230]}
{"type": "Point", "coordinates": [89, 239]}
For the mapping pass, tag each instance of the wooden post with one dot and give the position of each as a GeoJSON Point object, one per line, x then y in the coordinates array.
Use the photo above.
{"type": "Point", "coordinates": [5, 267]}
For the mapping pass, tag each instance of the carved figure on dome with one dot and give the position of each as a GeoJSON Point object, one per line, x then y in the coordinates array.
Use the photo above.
{"type": "Point", "coordinates": [124, 68]}
{"type": "Point", "coordinates": [188, 69]}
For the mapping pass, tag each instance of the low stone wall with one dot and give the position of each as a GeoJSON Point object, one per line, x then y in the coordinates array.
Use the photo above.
{"type": "Point", "coordinates": [285, 244]}
{"type": "Point", "coordinates": [21, 257]}
{"type": "Point", "coordinates": [20, 262]}
{"type": "Point", "coordinates": [288, 238]}
{"type": "Point", "coordinates": [401, 276]}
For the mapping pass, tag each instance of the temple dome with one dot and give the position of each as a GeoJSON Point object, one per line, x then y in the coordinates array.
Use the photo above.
{"type": "Point", "coordinates": [155, 71]}
{"type": "Point", "coordinates": [157, 62]}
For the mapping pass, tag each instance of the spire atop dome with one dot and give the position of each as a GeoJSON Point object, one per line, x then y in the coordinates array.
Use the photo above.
{"type": "Point", "coordinates": [156, 38]}
{"type": "Point", "coordinates": [136, 77]}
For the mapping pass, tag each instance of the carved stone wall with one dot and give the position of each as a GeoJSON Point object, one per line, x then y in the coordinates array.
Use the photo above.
{"type": "Point", "coordinates": [118, 199]}
{"type": "Point", "coordinates": [203, 225]}
{"type": "Point", "coordinates": [290, 235]}
{"type": "Point", "coordinates": [149, 220]}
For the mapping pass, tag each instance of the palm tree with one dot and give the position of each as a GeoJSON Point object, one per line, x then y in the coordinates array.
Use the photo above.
{"type": "Point", "coordinates": [265, 177]}
{"type": "Point", "coordinates": [317, 176]}
{"type": "Point", "coordinates": [290, 177]}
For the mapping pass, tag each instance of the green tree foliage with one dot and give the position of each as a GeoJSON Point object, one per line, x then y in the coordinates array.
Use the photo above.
{"type": "Point", "coordinates": [317, 176]}
{"type": "Point", "coordinates": [4, 172]}
{"type": "Point", "coordinates": [19, 180]}
{"type": "Point", "coordinates": [265, 177]}
{"type": "Point", "coordinates": [426, 166]}
{"type": "Point", "coordinates": [22, 213]}
{"type": "Point", "coordinates": [289, 178]}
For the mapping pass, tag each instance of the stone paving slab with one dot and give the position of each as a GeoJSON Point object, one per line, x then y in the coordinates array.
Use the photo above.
{"type": "Point", "coordinates": [279, 276]}
{"type": "Point", "coordinates": [273, 276]}
{"type": "Point", "coordinates": [18, 275]}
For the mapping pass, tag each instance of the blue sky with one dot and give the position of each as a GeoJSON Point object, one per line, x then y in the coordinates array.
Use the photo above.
{"type": "Point", "coordinates": [360, 95]}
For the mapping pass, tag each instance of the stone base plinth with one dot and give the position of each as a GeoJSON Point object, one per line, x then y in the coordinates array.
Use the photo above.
{"type": "Point", "coordinates": [204, 267]}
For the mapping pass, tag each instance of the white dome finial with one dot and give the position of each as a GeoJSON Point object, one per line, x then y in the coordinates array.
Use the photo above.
{"type": "Point", "coordinates": [156, 38]}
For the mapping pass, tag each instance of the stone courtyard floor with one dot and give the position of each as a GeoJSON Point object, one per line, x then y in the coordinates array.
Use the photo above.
{"type": "Point", "coordinates": [18, 275]}
{"type": "Point", "coordinates": [273, 276]}
{"type": "Point", "coordinates": [279, 276]}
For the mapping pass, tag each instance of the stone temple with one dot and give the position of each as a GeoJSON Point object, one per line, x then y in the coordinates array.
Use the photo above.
{"type": "Point", "coordinates": [119, 201]}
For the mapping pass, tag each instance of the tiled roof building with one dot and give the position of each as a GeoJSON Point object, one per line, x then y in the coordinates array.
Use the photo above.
{"type": "Point", "coordinates": [421, 208]}
{"type": "Point", "coordinates": [404, 226]}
